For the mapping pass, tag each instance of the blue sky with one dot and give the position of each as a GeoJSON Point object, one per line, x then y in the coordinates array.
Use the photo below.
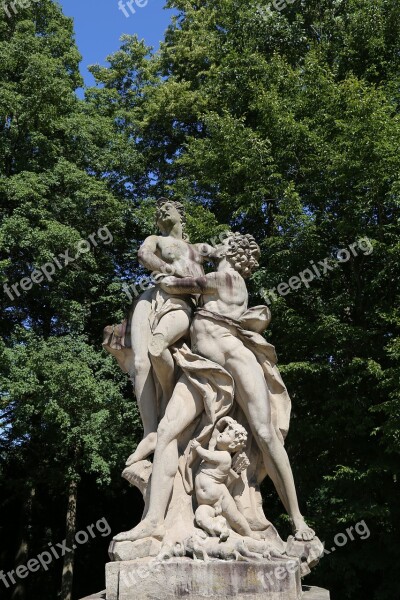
{"type": "Point", "coordinates": [100, 23]}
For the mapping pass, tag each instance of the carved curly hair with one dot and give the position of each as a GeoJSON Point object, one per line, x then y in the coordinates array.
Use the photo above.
{"type": "Point", "coordinates": [179, 207]}
{"type": "Point", "coordinates": [245, 252]}
{"type": "Point", "coordinates": [240, 435]}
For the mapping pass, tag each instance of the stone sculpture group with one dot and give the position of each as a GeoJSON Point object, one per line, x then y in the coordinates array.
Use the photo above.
{"type": "Point", "coordinates": [214, 407]}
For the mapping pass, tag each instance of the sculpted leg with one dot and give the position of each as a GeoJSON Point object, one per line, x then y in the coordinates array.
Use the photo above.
{"type": "Point", "coordinates": [252, 395]}
{"type": "Point", "coordinates": [185, 405]}
{"type": "Point", "coordinates": [172, 327]}
{"type": "Point", "coordinates": [209, 519]}
{"type": "Point", "coordinates": [144, 449]}
{"type": "Point", "coordinates": [235, 519]}
{"type": "Point", "coordinates": [144, 383]}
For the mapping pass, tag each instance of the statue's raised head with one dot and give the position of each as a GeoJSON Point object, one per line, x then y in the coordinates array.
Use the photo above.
{"type": "Point", "coordinates": [243, 252]}
{"type": "Point", "coordinates": [169, 212]}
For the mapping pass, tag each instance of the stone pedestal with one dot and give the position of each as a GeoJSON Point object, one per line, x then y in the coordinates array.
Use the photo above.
{"type": "Point", "coordinates": [314, 593]}
{"type": "Point", "coordinates": [309, 593]}
{"type": "Point", "coordinates": [180, 578]}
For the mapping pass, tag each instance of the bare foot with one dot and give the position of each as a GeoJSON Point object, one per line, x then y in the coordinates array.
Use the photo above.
{"type": "Point", "coordinates": [146, 447]}
{"type": "Point", "coordinates": [145, 529]}
{"type": "Point", "coordinates": [302, 532]}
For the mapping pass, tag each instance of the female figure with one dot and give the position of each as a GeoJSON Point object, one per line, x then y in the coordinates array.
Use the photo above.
{"type": "Point", "coordinates": [160, 319]}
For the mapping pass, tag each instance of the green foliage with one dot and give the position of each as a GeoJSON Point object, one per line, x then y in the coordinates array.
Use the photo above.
{"type": "Point", "coordinates": [66, 411]}
{"type": "Point", "coordinates": [65, 403]}
{"type": "Point", "coordinates": [281, 124]}
{"type": "Point", "coordinates": [285, 124]}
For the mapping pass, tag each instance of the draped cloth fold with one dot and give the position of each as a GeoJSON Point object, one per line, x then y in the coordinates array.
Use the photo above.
{"type": "Point", "coordinates": [216, 385]}
{"type": "Point", "coordinates": [248, 329]}
{"type": "Point", "coordinates": [164, 303]}
{"type": "Point", "coordinates": [216, 388]}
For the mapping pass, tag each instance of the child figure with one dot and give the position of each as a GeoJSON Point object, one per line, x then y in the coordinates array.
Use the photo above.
{"type": "Point", "coordinates": [212, 493]}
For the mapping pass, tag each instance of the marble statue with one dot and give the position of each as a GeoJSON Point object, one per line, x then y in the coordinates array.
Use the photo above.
{"type": "Point", "coordinates": [214, 407]}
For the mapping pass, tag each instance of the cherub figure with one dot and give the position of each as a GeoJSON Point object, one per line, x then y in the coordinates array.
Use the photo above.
{"type": "Point", "coordinates": [211, 482]}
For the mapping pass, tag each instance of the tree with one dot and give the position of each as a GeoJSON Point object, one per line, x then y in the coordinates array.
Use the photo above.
{"type": "Point", "coordinates": [63, 241]}
{"type": "Point", "coordinates": [285, 124]}
{"type": "Point", "coordinates": [65, 417]}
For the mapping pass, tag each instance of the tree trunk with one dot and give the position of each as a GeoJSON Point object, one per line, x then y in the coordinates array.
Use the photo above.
{"type": "Point", "coordinates": [21, 557]}
{"type": "Point", "coordinates": [68, 568]}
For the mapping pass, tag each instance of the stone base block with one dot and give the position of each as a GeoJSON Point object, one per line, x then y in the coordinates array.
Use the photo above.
{"type": "Point", "coordinates": [180, 578]}
{"type": "Point", "coordinates": [309, 593]}
{"type": "Point", "coordinates": [127, 551]}
{"type": "Point", "coordinates": [314, 593]}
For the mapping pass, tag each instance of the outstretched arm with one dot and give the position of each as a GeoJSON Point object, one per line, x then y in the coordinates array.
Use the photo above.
{"type": "Point", "coordinates": [190, 285]}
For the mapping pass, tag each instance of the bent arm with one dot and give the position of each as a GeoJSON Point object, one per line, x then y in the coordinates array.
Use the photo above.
{"type": "Point", "coordinates": [217, 430]}
{"type": "Point", "coordinates": [215, 458]}
{"type": "Point", "coordinates": [148, 258]}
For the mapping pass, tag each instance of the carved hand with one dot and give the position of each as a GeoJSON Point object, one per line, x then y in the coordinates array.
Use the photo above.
{"type": "Point", "coordinates": [166, 281]}
{"type": "Point", "coordinates": [194, 445]}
